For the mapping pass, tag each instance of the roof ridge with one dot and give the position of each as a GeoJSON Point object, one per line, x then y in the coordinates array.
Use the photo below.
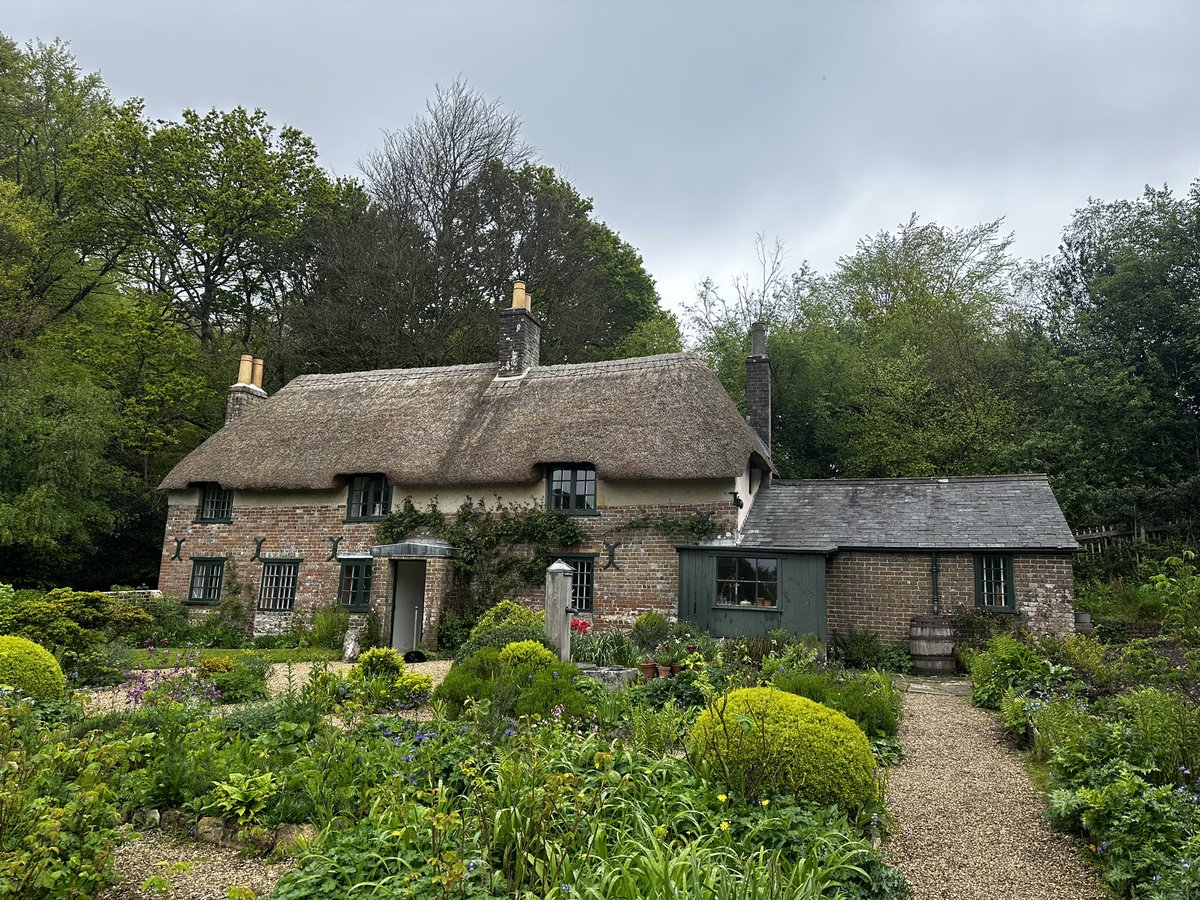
{"type": "Point", "coordinates": [923, 479]}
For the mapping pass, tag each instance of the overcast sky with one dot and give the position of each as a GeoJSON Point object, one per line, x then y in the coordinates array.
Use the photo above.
{"type": "Point", "coordinates": [694, 125]}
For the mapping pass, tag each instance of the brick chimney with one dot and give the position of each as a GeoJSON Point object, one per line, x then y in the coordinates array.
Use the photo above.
{"type": "Point", "coordinates": [248, 391]}
{"type": "Point", "coordinates": [520, 335]}
{"type": "Point", "coordinates": [758, 384]}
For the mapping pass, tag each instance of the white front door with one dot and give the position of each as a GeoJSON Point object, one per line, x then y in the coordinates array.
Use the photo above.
{"type": "Point", "coordinates": [408, 603]}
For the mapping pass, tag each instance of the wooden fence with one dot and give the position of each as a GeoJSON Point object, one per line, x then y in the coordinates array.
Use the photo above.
{"type": "Point", "coordinates": [1102, 537]}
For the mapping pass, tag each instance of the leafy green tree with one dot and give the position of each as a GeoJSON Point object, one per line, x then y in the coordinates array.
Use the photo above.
{"type": "Point", "coordinates": [204, 212]}
{"type": "Point", "coordinates": [457, 211]}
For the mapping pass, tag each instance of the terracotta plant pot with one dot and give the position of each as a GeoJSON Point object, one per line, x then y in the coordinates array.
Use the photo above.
{"type": "Point", "coordinates": [664, 671]}
{"type": "Point", "coordinates": [692, 648]}
{"type": "Point", "coordinates": [649, 670]}
{"type": "Point", "coordinates": [676, 668]}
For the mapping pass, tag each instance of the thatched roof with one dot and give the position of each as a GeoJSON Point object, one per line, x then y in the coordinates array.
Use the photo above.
{"type": "Point", "coordinates": [1002, 512]}
{"type": "Point", "coordinates": [651, 417]}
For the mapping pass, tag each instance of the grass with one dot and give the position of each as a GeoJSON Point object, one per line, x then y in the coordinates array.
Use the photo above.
{"type": "Point", "coordinates": [169, 657]}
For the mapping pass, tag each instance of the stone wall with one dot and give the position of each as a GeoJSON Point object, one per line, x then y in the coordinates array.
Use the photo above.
{"type": "Point", "coordinates": [882, 592]}
{"type": "Point", "coordinates": [644, 574]}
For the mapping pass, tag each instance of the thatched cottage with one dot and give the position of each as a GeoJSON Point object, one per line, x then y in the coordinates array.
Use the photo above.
{"type": "Point", "coordinates": [286, 497]}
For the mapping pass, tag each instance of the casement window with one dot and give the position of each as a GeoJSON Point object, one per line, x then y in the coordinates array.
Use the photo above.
{"type": "Point", "coordinates": [583, 581]}
{"type": "Point", "coordinates": [354, 584]}
{"type": "Point", "coordinates": [370, 497]}
{"type": "Point", "coordinates": [277, 590]}
{"type": "Point", "coordinates": [748, 581]}
{"type": "Point", "coordinates": [571, 488]}
{"type": "Point", "coordinates": [994, 588]}
{"type": "Point", "coordinates": [207, 573]}
{"type": "Point", "coordinates": [216, 503]}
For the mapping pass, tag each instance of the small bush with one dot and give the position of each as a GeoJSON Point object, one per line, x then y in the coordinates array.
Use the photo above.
{"type": "Point", "coordinates": [649, 630]}
{"type": "Point", "coordinates": [372, 632]}
{"type": "Point", "coordinates": [500, 637]}
{"type": "Point", "coordinates": [329, 624]}
{"type": "Point", "coordinates": [244, 681]}
{"type": "Point", "coordinates": [527, 653]}
{"type": "Point", "coordinates": [873, 701]}
{"type": "Point", "coordinates": [1060, 723]}
{"type": "Point", "coordinates": [379, 662]}
{"type": "Point", "coordinates": [31, 669]}
{"type": "Point", "coordinates": [1006, 663]}
{"type": "Point", "coordinates": [856, 649]}
{"type": "Point", "coordinates": [761, 740]}
{"type": "Point", "coordinates": [508, 613]}
{"type": "Point", "coordinates": [819, 687]}
{"type": "Point", "coordinates": [469, 679]}
{"type": "Point", "coordinates": [1164, 733]}
{"type": "Point", "coordinates": [412, 689]}
{"type": "Point", "coordinates": [211, 665]}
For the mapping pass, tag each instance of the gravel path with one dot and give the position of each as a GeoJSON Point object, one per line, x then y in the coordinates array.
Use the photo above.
{"type": "Point", "coordinates": [969, 823]}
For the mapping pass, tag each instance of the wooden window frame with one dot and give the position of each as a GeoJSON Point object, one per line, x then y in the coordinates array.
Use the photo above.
{"type": "Point", "coordinates": [216, 505]}
{"type": "Point", "coordinates": [1005, 561]}
{"type": "Point", "coordinates": [354, 583]}
{"type": "Point", "coordinates": [368, 492]}
{"type": "Point", "coordinates": [577, 482]}
{"type": "Point", "coordinates": [583, 580]}
{"type": "Point", "coordinates": [201, 567]}
{"type": "Point", "coordinates": [738, 581]}
{"type": "Point", "coordinates": [289, 579]}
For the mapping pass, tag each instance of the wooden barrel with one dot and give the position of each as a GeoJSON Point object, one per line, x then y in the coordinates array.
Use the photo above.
{"type": "Point", "coordinates": [931, 640]}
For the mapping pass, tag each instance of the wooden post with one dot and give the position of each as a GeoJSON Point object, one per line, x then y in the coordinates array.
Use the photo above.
{"type": "Point", "coordinates": [558, 608]}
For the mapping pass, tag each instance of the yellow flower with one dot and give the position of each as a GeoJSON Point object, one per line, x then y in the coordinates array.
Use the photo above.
{"type": "Point", "coordinates": [766, 803]}
{"type": "Point", "coordinates": [724, 826]}
{"type": "Point", "coordinates": [722, 797]}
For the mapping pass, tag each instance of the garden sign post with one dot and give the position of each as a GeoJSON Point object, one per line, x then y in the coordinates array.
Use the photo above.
{"type": "Point", "coordinates": [558, 608]}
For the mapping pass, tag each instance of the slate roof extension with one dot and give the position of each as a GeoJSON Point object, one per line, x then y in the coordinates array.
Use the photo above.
{"type": "Point", "coordinates": [1000, 512]}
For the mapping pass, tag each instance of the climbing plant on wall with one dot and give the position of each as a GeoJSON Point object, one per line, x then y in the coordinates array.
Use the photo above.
{"type": "Point", "coordinates": [498, 550]}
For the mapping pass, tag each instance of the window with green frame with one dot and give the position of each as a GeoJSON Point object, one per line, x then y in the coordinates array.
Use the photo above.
{"type": "Point", "coordinates": [583, 581]}
{"type": "Point", "coordinates": [748, 581]}
{"type": "Point", "coordinates": [207, 574]}
{"type": "Point", "coordinates": [216, 504]}
{"type": "Point", "coordinates": [369, 497]}
{"type": "Point", "coordinates": [994, 589]}
{"type": "Point", "coordinates": [571, 488]}
{"type": "Point", "coordinates": [354, 583]}
{"type": "Point", "coordinates": [277, 590]}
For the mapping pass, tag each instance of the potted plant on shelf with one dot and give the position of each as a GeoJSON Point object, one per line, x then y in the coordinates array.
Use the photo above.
{"type": "Point", "coordinates": [649, 668]}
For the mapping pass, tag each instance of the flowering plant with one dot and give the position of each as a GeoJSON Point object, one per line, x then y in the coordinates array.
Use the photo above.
{"type": "Point", "coordinates": [580, 627]}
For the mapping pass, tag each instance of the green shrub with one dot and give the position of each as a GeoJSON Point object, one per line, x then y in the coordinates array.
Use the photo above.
{"type": "Point", "coordinates": [536, 691]}
{"type": "Point", "coordinates": [469, 679]}
{"type": "Point", "coordinates": [760, 740]}
{"type": "Point", "coordinates": [59, 827]}
{"type": "Point", "coordinates": [1164, 733]}
{"type": "Point", "coordinates": [856, 649]}
{"type": "Point", "coordinates": [873, 701]}
{"type": "Point", "coordinates": [527, 653]}
{"type": "Point", "coordinates": [506, 612]}
{"type": "Point", "coordinates": [818, 687]}
{"type": "Point", "coordinates": [372, 631]}
{"type": "Point", "coordinates": [329, 625]}
{"type": "Point", "coordinates": [381, 662]}
{"type": "Point", "coordinates": [411, 689]}
{"type": "Point", "coordinates": [244, 681]}
{"type": "Point", "coordinates": [31, 669]}
{"type": "Point", "coordinates": [680, 691]}
{"type": "Point", "coordinates": [1006, 663]}
{"type": "Point", "coordinates": [1088, 656]}
{"type": "Point", "coordinates": [501, 636]}
{"type": "Point", "coordinates": [1063, 723]}
{"type": "Point", "coordinates": [649, 630]}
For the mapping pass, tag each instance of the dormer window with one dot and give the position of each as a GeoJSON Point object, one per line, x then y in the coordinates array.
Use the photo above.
{"type": "Point", "coordinates": [370, 497]}
{"type": "Point", "coordinates": [216, 504]}
{"type": "Point", "coordinates": [571, 487]}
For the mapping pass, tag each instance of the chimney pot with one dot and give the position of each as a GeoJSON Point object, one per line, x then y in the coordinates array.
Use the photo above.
{"type": "Point", "coordinates": [257, 370]}
{"type": "Point", "coordinates": [520, 300]}
{"type": "Point", "coordinates": [244, 373]}
{"type": "Point", "coordinates": [758, 339]}
{"type": "Point", "coordinates": [247, 392]}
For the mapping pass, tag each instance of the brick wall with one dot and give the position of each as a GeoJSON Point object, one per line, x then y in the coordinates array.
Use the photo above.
{"type": "Point", "coordinates": [882, 592]}
{"type": "Point", "coordinates": [645, 575]}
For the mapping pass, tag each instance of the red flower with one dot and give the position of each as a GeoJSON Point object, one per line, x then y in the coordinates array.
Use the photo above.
{"type": "Point", "coordinates": [581, 626]}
